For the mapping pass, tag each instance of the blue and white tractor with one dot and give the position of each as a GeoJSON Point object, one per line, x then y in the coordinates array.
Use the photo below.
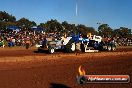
{"type": "Point", "coordinates": [77, 43]}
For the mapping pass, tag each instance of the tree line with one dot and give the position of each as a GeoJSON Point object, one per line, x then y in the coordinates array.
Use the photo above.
{"type": "Point", "coordinates": [52, 25]}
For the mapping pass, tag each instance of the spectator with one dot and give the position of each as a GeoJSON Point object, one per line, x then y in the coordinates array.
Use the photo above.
{"type": "Point", "coordinates": [28, 43]}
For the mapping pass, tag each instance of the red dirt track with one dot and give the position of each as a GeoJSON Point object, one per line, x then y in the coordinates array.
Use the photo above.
{"type": "Point", "coordinates": [26, 69]}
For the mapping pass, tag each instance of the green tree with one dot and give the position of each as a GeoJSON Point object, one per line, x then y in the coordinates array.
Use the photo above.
{"type": "Point", "coordinates": [104, 30]}
{"type": "Point", "coordinates": [52, 26]}
{"type": "Point", "coordinates": [117, 33]}
{"type": "Point", "coordinates": [122, 32]}
{"type": "Point", "coordinates": [5, 17]}
{"type": "Point", "coordinates": [6, 20]}
{"type": "Point", "coordinates": [25, 23]}
{"type": "Point", "coordinates": [84, 29]}
{"type": "Point", "coordinates": [65, 24]}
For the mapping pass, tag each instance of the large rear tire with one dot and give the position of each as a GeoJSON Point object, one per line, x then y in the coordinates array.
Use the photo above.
{"type": "Point", "coordinates": [71, 48]}
{"type": "Point", "coordinates": [82, 47]}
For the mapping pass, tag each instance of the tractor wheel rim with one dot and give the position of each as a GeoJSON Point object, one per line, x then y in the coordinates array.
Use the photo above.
{"type": "Point", "coordinates": [109, 48]}
{"type": "Point", "coordinates": [73, 47]}
{"type": "Point", "coordinates": [113, 48]}
{"type": "Point", "coordinates": [52, 50]}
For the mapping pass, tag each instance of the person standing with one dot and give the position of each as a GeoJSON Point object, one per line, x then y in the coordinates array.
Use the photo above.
{"type": "Point", "coordinates": [4, 42]}
{"type": "Point", "coordinates": [0, 42]}
{"type": "Point", "coordinates": [27, 43]}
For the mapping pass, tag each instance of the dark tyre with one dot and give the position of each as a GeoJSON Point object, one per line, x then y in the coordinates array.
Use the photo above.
{"type": "Point", "coordinates": [82, 47]}
{"type": "Point", "coordinates": [39, 50]}
{"type": "Point", "coordinates": [71, 46]}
